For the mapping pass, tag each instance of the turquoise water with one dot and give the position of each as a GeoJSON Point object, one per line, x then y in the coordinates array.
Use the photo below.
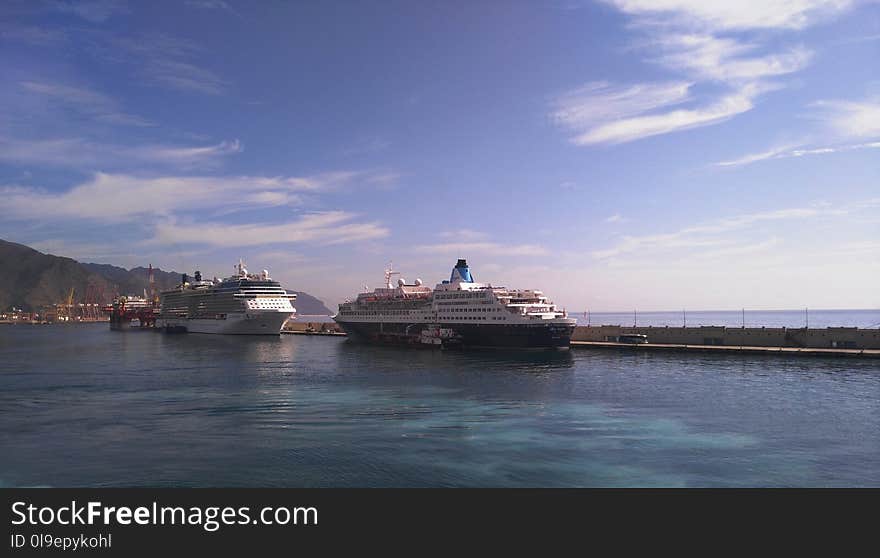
{"type": "Point", "coordinates": [83, 406]}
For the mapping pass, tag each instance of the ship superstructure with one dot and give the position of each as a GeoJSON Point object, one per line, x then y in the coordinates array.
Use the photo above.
{"type": "Point", "coordinates": [245, 303]}
{"type": "Point", "coordinates": [133, 311]}
{"type": "Point", "coordinates": [459, 311]}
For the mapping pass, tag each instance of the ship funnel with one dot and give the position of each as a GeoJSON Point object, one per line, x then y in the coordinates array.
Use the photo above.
{"type": "Point", "coordinates": [461, 273]}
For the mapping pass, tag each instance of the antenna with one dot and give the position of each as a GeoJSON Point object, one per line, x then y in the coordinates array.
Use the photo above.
{"type": "Point", "coordinates": [152, 282]}
{"type": "Point", "coordinates": [388, 273]}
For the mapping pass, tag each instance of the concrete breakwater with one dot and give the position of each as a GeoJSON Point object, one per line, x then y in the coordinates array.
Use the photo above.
{"type": "Point", "coordinates": [827, 338]}
{"type": "Point", "coordinates": [818, 338]}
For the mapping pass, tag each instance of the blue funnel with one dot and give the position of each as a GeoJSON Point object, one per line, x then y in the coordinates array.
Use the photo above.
{"type": "Point", "coordinates": [461, 273]}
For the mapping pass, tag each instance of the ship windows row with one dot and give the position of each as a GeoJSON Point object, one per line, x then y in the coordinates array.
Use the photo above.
{"type": "Point", "coordinates": [478, 294]}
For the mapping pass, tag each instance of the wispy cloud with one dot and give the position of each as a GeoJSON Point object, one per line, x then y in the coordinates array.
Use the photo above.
{"type": "Point", "coordinates": [684, 37]}
{"type": "Point", "coordinates": [726, 60]}
{"type": "Point", "coordinates": [595, 103]}
{"type": "Point", "coordinates": [184, 76]}
{"type": "Point", "coordinates": [852, 119]}
{"type": "Point", "coordinates": [464, 235]}
{"type": "Point", "coordinates": [616, 218]}
{"type": "Point", "coordinates": [119, 197]}
{"type": "Point", "coordinates": [365, 146]}
{"type": "Point", "coordinates": [620, 130]}
{"type": "Point", "coordinates": [94, 11]}
{"type": "Point", "coordinates": [788, 152]}
{"type": "Point", "coordinates": [85, 101]}
{"type": "Point", "coordinates": [210, 5]}
{"type": "Point", "coordinates": [707, 234]}
{"type": "Point", "coordinates": [163, 60]}
{"type": "Point", "coordinates": [844, 121]}
{"type": "Point", "coordinates": [85, 154]}
{"type": "Point", "coordinates": [493, 248]}
{"type": "Point", "coordinates": [734, 15]}
{"type": "Point", "coordinates": [330, 227]}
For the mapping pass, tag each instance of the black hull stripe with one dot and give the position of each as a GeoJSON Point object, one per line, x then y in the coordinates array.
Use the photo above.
{"type": "Point", "coordinates": [526, 336]}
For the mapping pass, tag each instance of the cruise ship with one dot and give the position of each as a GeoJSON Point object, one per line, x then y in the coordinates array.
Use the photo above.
{"type": "Point", "coordinates": [244, 304]}
{"type": "Point", "coordinates": [457, 312]}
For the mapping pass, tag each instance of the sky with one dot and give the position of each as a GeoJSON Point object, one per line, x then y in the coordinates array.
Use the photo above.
{"type": "Point", "coordinates": [616, 154]}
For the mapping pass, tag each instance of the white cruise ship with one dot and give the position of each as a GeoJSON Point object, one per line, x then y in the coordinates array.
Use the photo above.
{"type": "Point", "coordinates": [456, 312]}
{"type": "Point", "coordinates": [244, 304]}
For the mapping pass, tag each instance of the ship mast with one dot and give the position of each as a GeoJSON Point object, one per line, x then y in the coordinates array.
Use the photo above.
{"type": "Point", "coordinates": [388, 273]}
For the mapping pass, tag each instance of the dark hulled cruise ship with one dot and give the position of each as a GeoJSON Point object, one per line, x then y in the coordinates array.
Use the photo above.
{"type": "Point", "coordinates": [457, 312]}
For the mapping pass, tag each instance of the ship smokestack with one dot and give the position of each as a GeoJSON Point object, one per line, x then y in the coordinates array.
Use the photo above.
{"type": "Point", "coordinates": [461, 272]}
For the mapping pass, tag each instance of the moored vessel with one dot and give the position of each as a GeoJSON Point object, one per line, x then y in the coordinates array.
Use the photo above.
{"type": "Point", "coordinates": [132, 311]}
{"type": "Point", "coordinates": [243, 304]}
{"type": "Point", "coordinates": [457, 312]}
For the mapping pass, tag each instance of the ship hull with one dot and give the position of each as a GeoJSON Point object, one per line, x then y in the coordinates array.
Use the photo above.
{"type": "Point", "coordinates": [260, 323]}
{"type": "Point", "coordinates": [511, 336]}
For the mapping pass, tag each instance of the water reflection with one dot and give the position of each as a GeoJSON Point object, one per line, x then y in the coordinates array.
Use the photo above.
{"type": "Point", "coordinates": [86, 406]}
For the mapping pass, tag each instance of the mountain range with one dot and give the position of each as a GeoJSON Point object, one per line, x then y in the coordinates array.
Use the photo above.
{"type": "Point", "coordinates": [30, 279]}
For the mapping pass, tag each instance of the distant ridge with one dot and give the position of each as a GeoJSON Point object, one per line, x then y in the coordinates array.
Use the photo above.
{"type": "Point", "coordinates": [307, 305]}
{"type": "Point", "coordinates": [30, 279]}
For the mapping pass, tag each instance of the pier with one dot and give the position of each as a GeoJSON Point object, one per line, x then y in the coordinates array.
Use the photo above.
{"type": "Point", "coordinates": [850, 338]}
{"type": "Point", "coordinates": [725, 349]}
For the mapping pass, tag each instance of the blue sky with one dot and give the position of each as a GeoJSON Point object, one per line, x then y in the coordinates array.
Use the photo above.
{"type": "Point", "coordinates": [617, 154]}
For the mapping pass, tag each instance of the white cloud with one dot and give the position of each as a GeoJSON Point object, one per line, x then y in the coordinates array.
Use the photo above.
{"type": "Point", "coordinates": [735, 14]}
{"type": "Point", "coordinates": [331, 227]}
{"type": "Point", "coordinates": [119, 197]}
{"type": "Point", "coordinates": [184, 76]}
{"type": "Point", "coordinates": [788, 152]}
{"type": "Point", "coordinates": [83, 153]}
{"type": "Point", "coordinates": [684, 36]}
{"type": "Point", "coordinates": [722, 59]}
{"type": "Point", "coordinates": [616, 218]}
{"type": "Point", "coordinates": [845, 120]}
{"type": "Point", "coordinates": [852, 119]}
{"type": "Point", "coordinates": [706, 234]}
{"type": "Point", "coordinates": [598, 102]}
{"type": "Point", "coordinates": [620, 130]}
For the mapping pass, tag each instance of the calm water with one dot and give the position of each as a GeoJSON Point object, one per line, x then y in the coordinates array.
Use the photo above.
{"type": "Point", "coordinates": [81, 405]}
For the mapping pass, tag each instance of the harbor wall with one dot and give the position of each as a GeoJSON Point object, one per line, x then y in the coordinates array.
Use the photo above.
{"type": "Point", "coordinates": [295, 325]}
{"type": "Point", "coordinates": [832, 337]}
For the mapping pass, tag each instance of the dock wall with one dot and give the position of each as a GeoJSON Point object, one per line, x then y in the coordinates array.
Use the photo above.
{"type": "Point", "coordinates": [832, 337]}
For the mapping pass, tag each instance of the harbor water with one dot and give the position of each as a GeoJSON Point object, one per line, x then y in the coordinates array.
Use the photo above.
{"type": "Point", "coordinates": [81, 405]}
